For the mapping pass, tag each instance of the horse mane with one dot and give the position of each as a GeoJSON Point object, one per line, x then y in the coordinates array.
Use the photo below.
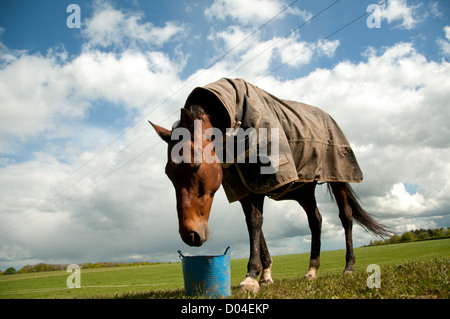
{"type": "Point", "coordinates": [217, 114]}
{"type": "Point", "coordinates": [197, 110]}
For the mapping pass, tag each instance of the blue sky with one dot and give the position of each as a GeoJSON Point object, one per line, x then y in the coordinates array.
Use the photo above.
{"type": "Point", "coordinates": [82, 171]}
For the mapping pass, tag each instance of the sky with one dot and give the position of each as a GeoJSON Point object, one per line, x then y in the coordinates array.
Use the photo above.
{"type": "Point", "coordinates": [82, 171]}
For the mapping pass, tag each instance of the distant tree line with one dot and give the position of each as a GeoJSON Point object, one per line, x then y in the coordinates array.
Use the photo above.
{"type": "Point", "coordinates": [413, 235]}
{"type": "Point", "coordinates": [57, 267]}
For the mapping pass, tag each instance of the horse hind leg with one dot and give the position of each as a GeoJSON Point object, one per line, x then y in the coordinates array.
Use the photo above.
{"type": "Point", "coordinates": [308, 201]}
{"type": "Point", "coordinates": [266, 261]}
{"type": "Point", "coordinates": [346, 217]}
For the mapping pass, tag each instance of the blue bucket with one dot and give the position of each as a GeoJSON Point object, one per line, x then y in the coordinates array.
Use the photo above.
{"type": "Point", "coordinates": [207, 275]}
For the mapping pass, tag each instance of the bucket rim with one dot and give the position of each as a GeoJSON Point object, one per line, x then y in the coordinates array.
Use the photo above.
{"type": "Point", "coordinates": [226, 253]}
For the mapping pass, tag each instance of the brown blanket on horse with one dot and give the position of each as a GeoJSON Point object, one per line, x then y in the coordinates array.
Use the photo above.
{"type": "Point", "coordinates": [312, 147]}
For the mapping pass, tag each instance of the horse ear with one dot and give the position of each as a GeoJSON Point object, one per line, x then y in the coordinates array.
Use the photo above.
{"type": "Point", "coordinates": [162, 132]}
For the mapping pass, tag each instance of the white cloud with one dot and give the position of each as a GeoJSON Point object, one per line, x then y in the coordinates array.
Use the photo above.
{"type": "Point", "coordinates": [444, 44]}
{"type": "Point", "coordinates": [328, 48]}
{"type": "Point", "coordinates": [398, 10]}
{"type": "Point", "coordinates": [250, 12]}
{"type": "Point", "coordinates": [296, 53]}
{"type": "Point", "coordinates": [111, 27]}
{"type": "Point", "coordinates": [447, 32]}
{"type": "Point", "coordinates": [233, 38]}
{"type": "Point", "coordinates": [255, 56]}
{"type": "Point", "coordinates": [51, 95]}
{"type": "Point", "coordinates": [244, 11]}
{"type": "Point", "coordinates": [34, 92]}
{"type": "Point", "coordinates": [408, 224]}
{"type": "Point", "coordinates": [399, 198]}
{"type": "Point", "coordinates": [124, 78]}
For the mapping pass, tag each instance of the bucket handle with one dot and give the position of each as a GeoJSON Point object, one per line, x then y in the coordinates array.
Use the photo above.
{"type": "Point", "coordinates": [180, 255]}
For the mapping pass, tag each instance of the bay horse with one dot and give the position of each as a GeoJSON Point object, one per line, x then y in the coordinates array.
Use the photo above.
{"type": "Point", "coordinates": [196, 183]}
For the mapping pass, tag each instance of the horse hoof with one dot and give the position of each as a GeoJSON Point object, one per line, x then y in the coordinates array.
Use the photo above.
{"type": "Point", "coordinates": [311, 274]}
{"type": "Point", "coordinates": [309, 277]}
{"type": "Point", "coordinates": [249, 284]}
{"type": "Point", "coordinates": [266, 277]}
{"type": "Point", "coordinates": [348, 271]}
{"type": "Point", "coordinates": [265, 282]}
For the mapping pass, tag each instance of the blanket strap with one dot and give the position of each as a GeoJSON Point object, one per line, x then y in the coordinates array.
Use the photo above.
{"type": "Point", "coordinates": [288, 189]}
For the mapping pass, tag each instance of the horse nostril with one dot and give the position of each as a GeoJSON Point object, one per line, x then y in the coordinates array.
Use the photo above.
{"type": "Point", "coordinates": [195, 238]}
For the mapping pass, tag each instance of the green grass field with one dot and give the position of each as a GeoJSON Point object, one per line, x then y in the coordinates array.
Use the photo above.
{"type": "Point", "coordinates": [408, 270]}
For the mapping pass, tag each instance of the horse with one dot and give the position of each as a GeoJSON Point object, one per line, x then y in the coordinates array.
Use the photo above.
{"type": "Point", "coordinates": [196, 183]}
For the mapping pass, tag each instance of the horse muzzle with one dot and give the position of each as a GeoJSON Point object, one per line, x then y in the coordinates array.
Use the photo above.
{"type": "Point", "coordinates": [195, 236]}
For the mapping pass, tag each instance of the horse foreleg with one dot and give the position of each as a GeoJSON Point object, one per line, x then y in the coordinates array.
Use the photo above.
{"type": "Point", "coordinates": [252, 206]}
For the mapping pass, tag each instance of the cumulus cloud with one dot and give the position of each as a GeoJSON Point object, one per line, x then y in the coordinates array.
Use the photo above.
{"type": "Point", "coordinates": [399, 11]}
{"type": "Point", "coordinates": [49, 95]}
{"type": "Point", "coordinates": [124, 78]}
{"type": "Point", "coordinates": [295, 52]}
{"type": "Point", "coordinates": [233, 38]}
{"type": "Point", "coordinates": [34, 93]}
{"type": "Point", "coordinates": [403, 201]}
{"type": "Point", "coordinates": [250, 12]}
{"type": "Point", "coordinates": [444, 44]}
{"type": "Point", "coordinates": [255, 56]}
{"type": "Point", "coordinates": [111, 27]}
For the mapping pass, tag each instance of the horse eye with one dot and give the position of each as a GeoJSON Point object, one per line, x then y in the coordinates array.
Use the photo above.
{"type": "Point", "coordinates": [196, 167]}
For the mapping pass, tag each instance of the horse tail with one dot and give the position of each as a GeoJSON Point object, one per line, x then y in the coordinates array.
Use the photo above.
{"type": "Point", "coordinates": [360, 215]}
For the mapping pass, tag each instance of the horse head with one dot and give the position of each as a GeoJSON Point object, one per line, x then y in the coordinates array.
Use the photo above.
{"type": "Point", "coordinates": [195, 178]}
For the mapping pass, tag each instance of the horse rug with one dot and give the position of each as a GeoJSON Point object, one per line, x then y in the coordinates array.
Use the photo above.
{"type": "Point", "coordinates": [311, 146]}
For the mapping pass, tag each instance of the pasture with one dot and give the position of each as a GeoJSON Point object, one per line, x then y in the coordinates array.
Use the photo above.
{"type": "Point", "coordinates": [408, 270]}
